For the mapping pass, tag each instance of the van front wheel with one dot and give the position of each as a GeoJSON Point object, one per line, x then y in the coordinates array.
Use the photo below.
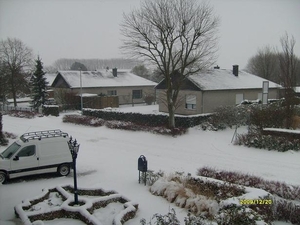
{"type": "Point", "coordinates": [2, 177]}
{"type": "Point", "coordinates": [63, 170]}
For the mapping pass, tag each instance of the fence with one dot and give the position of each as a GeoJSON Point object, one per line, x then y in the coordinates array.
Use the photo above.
{"type": "Point", "coordinates": [97, 102]}
{"type": "Point", "coordinates": [10, 108]}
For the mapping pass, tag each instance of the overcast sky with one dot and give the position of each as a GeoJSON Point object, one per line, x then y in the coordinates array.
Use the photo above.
{"type": "Point", "coordinates": [91, 28]}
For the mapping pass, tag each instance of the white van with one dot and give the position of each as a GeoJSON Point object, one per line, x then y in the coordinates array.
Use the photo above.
{"type": "Point", "coordinates": [36, 153]}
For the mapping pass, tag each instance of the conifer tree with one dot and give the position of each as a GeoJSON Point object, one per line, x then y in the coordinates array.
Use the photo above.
{"type": "Point", "coordinates": [39, 83]}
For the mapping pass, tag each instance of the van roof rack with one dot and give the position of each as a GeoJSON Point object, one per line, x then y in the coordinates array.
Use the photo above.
{"type": "Point", "coordinates": [38, 135]}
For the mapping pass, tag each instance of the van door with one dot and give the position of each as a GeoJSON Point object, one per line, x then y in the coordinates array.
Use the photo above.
{"type": "Point", "coordinates": [25, 161]}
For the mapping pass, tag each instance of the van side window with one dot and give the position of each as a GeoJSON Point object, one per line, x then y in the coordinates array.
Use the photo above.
{"type": "Point", "coordinates": [27, 151]}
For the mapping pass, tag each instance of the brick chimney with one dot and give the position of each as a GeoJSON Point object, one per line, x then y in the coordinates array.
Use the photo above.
{"type": "Point", "coordinates": [235, 70]}
{"type": "Point", "coordinates": [115, 72]}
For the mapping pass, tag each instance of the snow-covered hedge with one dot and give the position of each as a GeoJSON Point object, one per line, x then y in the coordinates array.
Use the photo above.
{"type": "Point", "coordinates": [255, 138]}
{"type": "Point", "coordinates": [219, 199]}
{"type": "Point", "coordinates": [113, 124]}
{"type": "Point", "coordinates": [22, 114]}
{"type": "Point", "coordinates": [280, 189]}
{"type": "Point", "coordinates": [209, 201]}
{"type": "Point", "coordinates": [282, 208]}
{"type": "Point", "coordinates": [147, 119]}
{"type": "Point", "coordinates": [58, 203]}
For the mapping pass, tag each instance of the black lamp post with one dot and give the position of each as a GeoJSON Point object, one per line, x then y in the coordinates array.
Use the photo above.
{"type": "Point", "coordinates": [74, 148]}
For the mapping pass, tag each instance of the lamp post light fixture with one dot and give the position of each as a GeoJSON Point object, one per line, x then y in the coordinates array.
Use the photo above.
{"type": "Point", "coordinates": [74, 148]}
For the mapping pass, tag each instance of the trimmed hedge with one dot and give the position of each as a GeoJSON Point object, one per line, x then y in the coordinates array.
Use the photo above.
{"type": "Point", "coordinates": [147, 119]}
{"type": "Point", "coordinates": [52, 110]}
{"type": "Point", "coordinates": [257, 140]}
{"type": "Point", "coordinates": [121, 125]}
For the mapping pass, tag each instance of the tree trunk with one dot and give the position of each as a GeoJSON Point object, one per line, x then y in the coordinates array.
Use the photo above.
{"type": "Point", "coordinates": [13, 88]}
{"type": "Point", "coordinates": [171, 109]}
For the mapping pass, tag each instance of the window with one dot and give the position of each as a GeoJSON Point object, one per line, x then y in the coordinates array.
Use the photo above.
{"type": "Point", "coordinates": [27, 151]}
{"type": "Point", "coordinates": [190, 101]}
{"type": "Point", "coordinates": [10, 150]}
{"type": "Point", "coordinates": [137, 94]}
{"type": "Point", "coordinates": [111, 92]}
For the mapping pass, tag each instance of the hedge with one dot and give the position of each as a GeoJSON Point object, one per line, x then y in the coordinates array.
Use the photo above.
{"type": "Point", "coordinates": [147, 119]}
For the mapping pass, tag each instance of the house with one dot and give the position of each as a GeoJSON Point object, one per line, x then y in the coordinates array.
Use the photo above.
{"type": "Point", "coordinates": [129, 87]}
{"type": "Point", "coordinates": [49, 79]}
{"type": "Point", "coordinates": [205, 91]}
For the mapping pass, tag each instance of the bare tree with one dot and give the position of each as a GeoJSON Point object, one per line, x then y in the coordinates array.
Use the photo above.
{"type": "Point", "coordinates": [15, 57]}
{"type": "Point", "coordinates": [288, 67]}
{"type": "Point", "coordinates": [94, 64]}
{"type": "Point", "coordinates": [265, 64]}
{"type": "Point", "coordinates": [3, 82]}
{"type": "Point", "coordinates": [288, 62]}
{"type": "Point", "coordinates": [174, 36]}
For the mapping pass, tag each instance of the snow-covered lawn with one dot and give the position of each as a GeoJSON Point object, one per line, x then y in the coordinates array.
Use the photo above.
{"type": "Point", "coordinates": [108, 159]}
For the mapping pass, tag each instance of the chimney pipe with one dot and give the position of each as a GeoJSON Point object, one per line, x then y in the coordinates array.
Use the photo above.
{"type": "Point", "coordinates": [235, 70]}
{"type": "Point", "coordinates": [115, 72]}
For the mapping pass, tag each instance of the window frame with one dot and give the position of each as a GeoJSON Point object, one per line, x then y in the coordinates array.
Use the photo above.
{"type": "Point", "coordinates": [112, 92]}
{"type": "Point", "coordinates": [27, 148]}
{"type": "Point", "coordinates": [137, 96]}
{"type": "Point", "coordinates": [188, 104]}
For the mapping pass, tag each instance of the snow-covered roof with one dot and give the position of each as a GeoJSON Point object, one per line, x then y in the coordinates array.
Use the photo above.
{"type": "Point", "coordinates": [297, 89]}
{"type": "Point", "coordinates": [50, 78]}
{"type": "Point", "coordinates": [224, 79]}
{"type": "Point", "coordinates": [104, 78]}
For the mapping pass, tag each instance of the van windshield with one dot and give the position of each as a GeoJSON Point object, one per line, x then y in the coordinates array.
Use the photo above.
{"type": "Point", "coordinates": [11, 150]}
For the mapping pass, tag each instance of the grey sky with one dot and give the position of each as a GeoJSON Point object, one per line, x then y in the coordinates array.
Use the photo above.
{"type": "Point", "coordinates": [91, 28]}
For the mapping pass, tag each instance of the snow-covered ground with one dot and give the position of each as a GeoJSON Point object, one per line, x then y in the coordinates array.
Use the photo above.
{"type": "Point", "coordinates": [108, 159]}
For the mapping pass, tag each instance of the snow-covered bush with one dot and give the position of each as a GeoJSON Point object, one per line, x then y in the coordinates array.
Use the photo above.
{"type": "Point", "coordinates": [211, 202]}
{"type": "Point", "coordinates": [22, 114]}
{"type": "Point", "coordinates": [272, 115]}
{"type": "Point", "coordinates": [291, 192]}
{"type": "Point", "coordinates": [229, 116]}
{"type": "Point", "coordinates": [169, 219]}
{"type": "Point", "coordinates": [152, 176]}
{"type": "Point", "coordinates": [254, 138]}
{"type": "Point", "coordinates": [83, 120]}
{"type": "Point", "coordinates": [200, 196]}
{"type": "Point", "coordinates": [237, 215]}
{"type": "Point", "coordinates": [197, 220]}
{"type": "Point", "coordinates": [149, 99]}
